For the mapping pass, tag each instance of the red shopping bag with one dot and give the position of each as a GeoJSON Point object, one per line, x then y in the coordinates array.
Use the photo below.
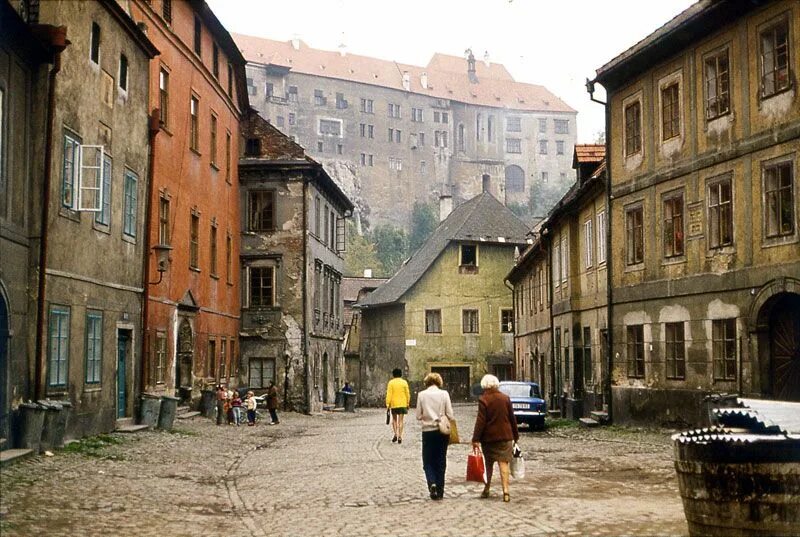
{"type": "Point", "coordinates": [476, 467]}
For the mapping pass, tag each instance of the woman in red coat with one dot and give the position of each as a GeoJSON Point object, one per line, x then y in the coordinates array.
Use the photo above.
{"type": "Point", "coordinates": [495, 432]}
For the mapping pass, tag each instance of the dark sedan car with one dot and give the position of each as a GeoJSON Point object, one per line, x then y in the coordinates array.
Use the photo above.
{"type": "Point", "coordinates": [526, 399]}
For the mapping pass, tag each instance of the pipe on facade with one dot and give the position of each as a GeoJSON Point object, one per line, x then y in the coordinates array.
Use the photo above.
{"type": "Point", "coordinates": [513, 308]}
{"type": "Point", "coordinates": [154, 126]}
{"type": "Point", "coordinates": [56, 38]}
{"type": "Point", "coordinates": [609, 266]}
{"type": "Point", "coordinates": [306, 321]}
{"type": "Point", "coordinates": [553, 396]}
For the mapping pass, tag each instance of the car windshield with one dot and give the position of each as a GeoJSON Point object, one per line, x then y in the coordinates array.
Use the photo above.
{"type": "Point", "coordinates": [520, 390]}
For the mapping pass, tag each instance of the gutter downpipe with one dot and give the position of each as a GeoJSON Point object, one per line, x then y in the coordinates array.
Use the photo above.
{"type": "Point", "coordinates": [57, 37]}
{"type": "Point", "coordinates": [554, 397]}
{"type": "Point", "coordinates": [513, 308]}
{"type": "Point", "coordinates": [306, 322]}
{"type": "Point", "coordinates": [153, 129]}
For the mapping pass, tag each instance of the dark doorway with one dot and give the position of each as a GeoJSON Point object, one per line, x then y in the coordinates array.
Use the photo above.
{"type": "Point", "coordinates": [456, 381]}
{"type": "Point", "coordinates": [4, 340]}
{"type": "Point", "coordinates": [183, 363]}
{"type": "Point", "coordinates": [487, 183]}
{"type": "Point", "coordinates": [325, 392]}
{"type": "Point", "coordinates": [123, 346]}
{"type": "Point", "coordinates": [503, 371]}
{"type": "Point", "coordinates": [784, 343]}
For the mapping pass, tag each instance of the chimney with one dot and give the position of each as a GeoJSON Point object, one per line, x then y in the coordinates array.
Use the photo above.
{"type": "Point", "coordinates": [406, 81]}
{"type": "Point", "coordinates": [368, 273]}
{"type": "Point", "coordinates": [471, 67]}
{"type": "Point", "coordinates": [342, 50]}
{"type": "Point", "coordinates": [423, 80]}
{"type": "Point", "coordinates": [486, 58]}
{"type": "Point", "coordinates": [445, 206]}
{"type": "Point", "coordinates": [296, 42]}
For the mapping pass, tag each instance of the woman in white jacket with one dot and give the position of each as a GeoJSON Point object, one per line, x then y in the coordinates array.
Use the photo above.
{"type": "Point", "coordinates": [432, 403]}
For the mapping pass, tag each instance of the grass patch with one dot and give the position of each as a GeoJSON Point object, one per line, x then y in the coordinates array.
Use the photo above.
{"type": "Point", "coordinates": [94, 446]}
{"type": "Point", "coordinates": [183, 432]}
{"type": "Point", "coordinates": [561, 423]}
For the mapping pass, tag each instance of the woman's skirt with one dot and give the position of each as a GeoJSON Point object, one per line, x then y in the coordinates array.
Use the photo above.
{"type": "Point", "coordinates": [497, 451]}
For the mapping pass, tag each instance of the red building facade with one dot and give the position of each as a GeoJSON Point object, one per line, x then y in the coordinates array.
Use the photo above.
{"type": "Point", "coordinates": [193, 297]}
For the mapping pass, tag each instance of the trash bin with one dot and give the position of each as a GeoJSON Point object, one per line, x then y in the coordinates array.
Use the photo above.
{"type": "Point", "coordinates": [208, 403]}
{"type": "Point", "coordinates": [339, 403]}
{"type": "Point", "coordinates": [31, 418]}
{"type": "Point", "coordinates": [349, 402]}
{"type": "Point", "coordinates": [48, 440]}
{"type": "Point", "coordinates": [169, 407]}
{"type": "Point", "coordinates": [61, 424]}
{"type": "Point", "coordinates": [148, 410]}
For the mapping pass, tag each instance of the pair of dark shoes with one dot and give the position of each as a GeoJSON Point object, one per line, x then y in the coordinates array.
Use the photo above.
{"type": "Point", "coordinates": [398, 440]}
{"type": "Point", "coordinates": [436, 494]}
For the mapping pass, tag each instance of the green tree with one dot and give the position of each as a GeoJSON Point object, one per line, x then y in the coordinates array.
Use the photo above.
{"type": "Point", "coordinates": [423, 221]}
{"type": "Point", "coordinates": [360, 254]}
{"type": "Point", "coordinates": [391, 246]}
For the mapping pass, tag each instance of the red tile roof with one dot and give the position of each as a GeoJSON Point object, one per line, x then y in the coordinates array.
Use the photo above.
{"type": "Point", "coordinates": [586, 153]}
{"type": "Point", "coordinates": [447, 75]}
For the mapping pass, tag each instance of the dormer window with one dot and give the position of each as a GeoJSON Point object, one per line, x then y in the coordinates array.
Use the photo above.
{"type": "Point", "coordinates": [468, 262]}
{"type": "Point", "coordinates": [252, 147]}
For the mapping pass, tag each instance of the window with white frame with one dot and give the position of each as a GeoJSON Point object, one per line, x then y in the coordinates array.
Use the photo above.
{"type": "Point", "coordinates": [331, 127]}
{"type": "Point", "coordinates": [58, 346]}
{"type": "Point", "coordinates": [634, 235]}
{"type": "Point", "coordinates": [506, 321]}
{"type": "Point", "coordinates": [103, 216]}
{"type": "Point", "coordinates": [433, 321]}
{"type": "Point", "coordinates": [416, 114]}
{"type": "Point", "coordinates": [160, 358]}
{"type": "Point", "coordinates": [588, 245]}
{"type": "Point", "coordinates": [542, 125]}
{"type": "Point", "coordinates": [470, 321]}
{"type": "Point", "coordinates": [561, 126]}
{"type": "Point", "coordinates": [601, 237]}
{"type": "Point", "coordinates": [556, 264]}
{"type": "Point", "coordinates": [513, 145]}
{"type": "Point", "coordinates": [513, 124]}
{"type": "Point", "coordinates": [319, 98]}
{"type": "Point", "coordinates": [717, 84]}
{"type": "Point", "coordinates": [542, 147]}
{"type": "Point", "coordinates": [564, 260]}
{"type": "Point", "coordinates": [394, 110]}
{"type": "Point", "coordinates": [130, 204]}
{"type": "Point", "coordinates": [94, 345]}
{"type": "Point", "coordinates": [261, 371]}
{"type": "Point", "coordinates": [720, 213]}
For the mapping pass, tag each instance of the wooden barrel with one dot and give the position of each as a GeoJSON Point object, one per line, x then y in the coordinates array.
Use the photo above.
{"type": "Point", "coordinates": [740, 488]}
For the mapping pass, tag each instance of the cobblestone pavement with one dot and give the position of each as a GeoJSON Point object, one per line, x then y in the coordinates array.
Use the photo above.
{"type": "Point", "coordinates": [339, 474]}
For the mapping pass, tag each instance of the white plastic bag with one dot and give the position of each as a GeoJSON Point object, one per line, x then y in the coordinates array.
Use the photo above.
{"type": "Point", "coordinates": [517, 464]}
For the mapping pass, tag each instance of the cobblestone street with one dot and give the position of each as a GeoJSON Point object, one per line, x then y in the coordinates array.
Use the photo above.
{"type": "Point", "coordinates": [339, 474]}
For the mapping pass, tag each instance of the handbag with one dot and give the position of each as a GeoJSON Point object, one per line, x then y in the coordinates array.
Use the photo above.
{"type": "Point", "coordinates": [454, 438]}
{"type": "Point", "coordinates": [444, 425]}
{"type": "Point", "coordinates": [388, 414]}
{"type": "Point", "coordinates": [517, 464]}
{"type": "Point", "coordinates": [476, 466]}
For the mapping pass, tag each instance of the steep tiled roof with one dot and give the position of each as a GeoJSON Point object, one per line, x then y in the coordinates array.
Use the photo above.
{"type": "Point", "coordinates": [481, 219]}
{"type": "Point", "coordinates": [446, 75]}
{"type": "Point", "coordinates": [352, 286]}
{"type": "Point", "coordinates": [587, 153]}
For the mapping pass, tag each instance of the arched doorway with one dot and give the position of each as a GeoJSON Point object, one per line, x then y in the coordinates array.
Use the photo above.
{"type": "Point", "coordinates": [4, 337]}
{"type": "Point", "coordinates": [515, 179]}
{"type": "Point", "coordinates": [325, 392]}
{"type": "Point", "coordinates": [783, 340]}
{"type": "Point", "coordinates": [184, 360]}
{"type": "Point", "coordinates": [486, 183]}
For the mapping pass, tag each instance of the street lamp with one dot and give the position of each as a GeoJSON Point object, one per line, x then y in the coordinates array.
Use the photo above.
{"type": "Point", "coordinates": [162, 260]}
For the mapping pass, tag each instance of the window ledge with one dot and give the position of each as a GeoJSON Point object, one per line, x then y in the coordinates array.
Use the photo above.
{"type": "Point", "coordinates": [93, 389]}
{"type": "Point", "coordinates": [638, 267]}
{"type": "Point", "coordinates": [102, 228]}
{"type": "Point", "coordinates": [215, 276]}
{"type": "Point", "coordinates": [195, 151]}
{"type": "Point", "coordinates": [128, 238]}
{"type": "Point", "coordinates": [724, 250]}
{"type": "Point", "coordinates": [214, 166]}
{"type": "Point", "coordinates": [69, 214]}
{"type": "Point", "coordinates": [772, 242]}
{"type": "Point", "coordinates": [194, 269]}
{"type": "Point", "coordinates": [676, 260]}
{"type": "Point", "coordinates": [763, 97]}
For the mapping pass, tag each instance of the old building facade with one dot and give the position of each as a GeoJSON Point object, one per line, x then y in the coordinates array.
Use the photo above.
{"type": "Point", "coordinates": [447, 309]}
{"type": "Point", "coordinates": [196, 95]}
{"type": "Point", "coordinates": [291, 261]}
{"type": "Point", "coordinates": [703, 141]}
{"type": "Point", "coordinates": [395, 134]}
{"type": "Point", "coordinates": [94, 222]}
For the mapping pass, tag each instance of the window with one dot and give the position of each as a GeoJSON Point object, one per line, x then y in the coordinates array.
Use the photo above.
{"type": "Point", "coordinates": [252, 147]}
{"type": "Point", "coordinates": [588, 370]}
{"type": "Point", "coordinates": [363, 159]}
{"type": "Point", "coordinates": [213, 149]}
{"type": "Point", "coordinates": [395, 164]}
{"type": "Point", "coordinates": [513, 145]}
{"type": "Point", "coordinates": [515, 179]}
{"type": "Point", "coordinates": [635, 351]}
{"type": "Point", "coordinates": [130, 204]}
{"type": "Point", "coordinates": [94, 345]}
{"type": "Point", "coordinates": [416, 114]}
{"type": "Point", "coordinates": [212, 250]}
{"type": "Point", "coordinates": [720, 214]}
{"type": "Point", "coordinates": [490, 129]}
{"type": "Point", "coordinates": [197, 36]}
{"type": "Point", "coordinates": [673, 225]}
{"type": "Point", "coordinates": [262, 287]}
{"type": "Point", "coordinates": [261, 210]}
{"type": "Point", "coordinates": [461, 141]}
{"type": "Point", "coordinates": [228, 258]}
{"type": "Point", "coordinates": [778, 199]}
{"type": "Point", "coordinates": [633, 128]}
{"type": "Point", "coordinates": [362, 128]}
{"type": "Point", "coordinates": [94, 45]}
{"type": "Point", "coordinates": [670, 112]}
{"type": "Point", "coordinates": [339, 149]}
{"type": "Point", "coordinates": [601, 237]}
{"type": "Point", "coordinates": [160, 350]}
{"type": "Point", "coordinates": [163, 97]}
{"type": "Point", "coordinates": [292, 118]}
{"type": "Point", "coordinates": [269, 90]}
{"type": "Point", "coordinates": [330, 126]}
{"type": "Point", "coordinates": [321, 147]}
{"type": "Point", "coordinates": [194, 135]}
{"type": "Point", "coordinates": [163, 221]}
{"type": "Point", "coordinates": [676, 350]}
{"type": "Point", "coordinates": [341, 103]}
{"type": "Point", "coordinates": [479, 127]}
{"type": "Point", "coordinates": [542, 125]}
{"type": "Point", "coordinates": [123, 72]}
{"type": "Point", "coordinates": [559, 147]}
{"type": "Point", "coordinates": [433, 321]}
{"type": "Point", "coordinates": [723, 336]}
{"type": "Point", "coordinates": [469, 255]}
{"type": "Point", "coordinates": [317, 215]}
{"type": "Point", "coordinates": [542, 147]}
{"type": "Point", "coordinates": [319, 98]}
{"type": "Point", "coordinates": [58, 347]}
{"type": "Point", "coordinates": [507, 321]}
{"type": "Point", "coordinates": [556, 264]}
{"type": "Point", "coordinates": [545, 177]}
{"type": "Point", "coordinates": [394, 110]}
{"type": "Point", "coordinates": [223, 363]}
{"type": "Point", "coordinates": [567, 368]}
{"type": "Point", "coordinates": [469, 321]}
{"type": "Point", "coordinates": [717, 79]}
{"type": "Point", "coordinates": [71, 169]}
{"type": "Point", "coordinates": [513, 124]}
{"type": "Point", "coordinates": [215, 61]}
{"type": "Point", "coordinates": [423, 168]}
{"type": "Point", "coordinates": [103, 217]}
{"type": "Point", "coordinates": [212, 357]}
{"type": "Point", "coordinates": [634, 236]}
{"type": "Point", "coordinates": [588, 244]}
{"type": "Point", "coordinates": [291, 94]}
{"type": "Point", "coordinates": [421, 139]}
{"type": "Point", "coordinates": [561, 126]}
{"type": "Point", "coordinates": [194, 245]}
{"type": "Point", "coordinates": [445, 117]}
{"type": "Point", "coordinates": [564, 260]}
{"type": "Point", "coordinates": [395, 135]}
{"type": "Point", "coordinates": [230, 80]}
{"type": "Point", "coordinates": [775, 59]}
{"type": "Point", "coordinates": [261, 371]}
{"type": "Point", "coordinates": [367, 106]}
{"type": "Point", "coordinates": [228, 157]}
{"type": "Point", "coordinates": [166, 10]}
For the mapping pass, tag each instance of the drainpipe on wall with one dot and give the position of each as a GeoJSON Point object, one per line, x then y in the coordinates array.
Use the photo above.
{"type": "Point", "coordinates": [306, 321]}
{"type": "Point", "coordinates": [513, 306]}
{"type": "Point", "coordinates": [56, 39]}
{"type": "Point", "coordinates": [154, 125]}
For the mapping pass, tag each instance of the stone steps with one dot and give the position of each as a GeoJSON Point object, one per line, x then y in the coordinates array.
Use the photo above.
{"type": "Point", "coordinates": [126, 425]}
{"type": "Point", "coordinates": [600, 416]}
{"type": "Point", "coordinates": [186, 415]}
{"type": "Point", "coordinates": [9, 456]}
{"type": "Point", "coordinates": [588, 422]}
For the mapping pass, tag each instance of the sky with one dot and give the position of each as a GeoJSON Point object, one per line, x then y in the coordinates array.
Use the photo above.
{"type": "Point", "coordinates": [557, 44]}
